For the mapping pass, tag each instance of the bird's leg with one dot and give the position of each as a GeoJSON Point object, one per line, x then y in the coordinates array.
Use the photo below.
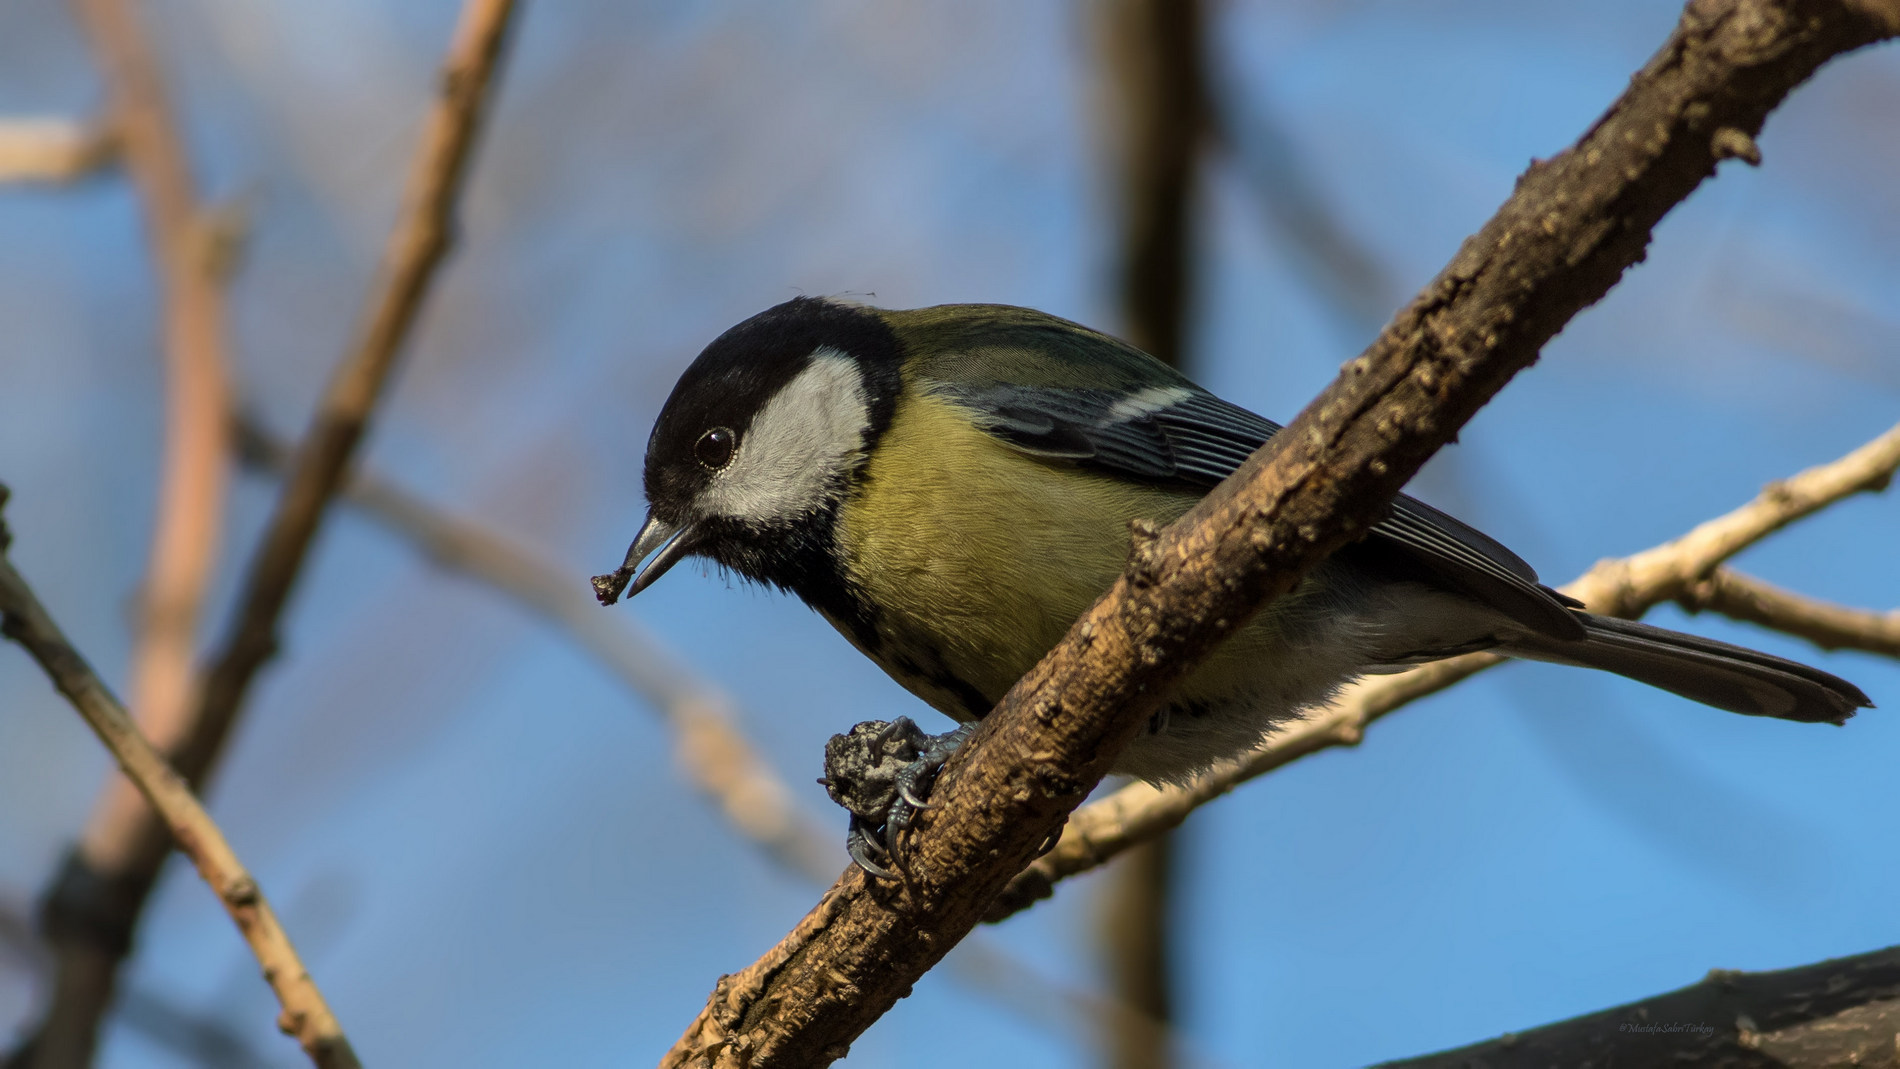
{"type": "Point", "coordinates": [881, 773]}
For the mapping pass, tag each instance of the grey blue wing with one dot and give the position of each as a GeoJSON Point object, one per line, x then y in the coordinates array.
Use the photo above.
{"type": "Point", "coordinates": [1179, 434]}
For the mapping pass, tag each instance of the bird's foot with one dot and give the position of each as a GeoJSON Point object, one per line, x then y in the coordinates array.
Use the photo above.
{"type": "Point", "coordinates": [881, 773]}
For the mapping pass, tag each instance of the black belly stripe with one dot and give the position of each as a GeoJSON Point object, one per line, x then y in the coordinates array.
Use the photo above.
{"type": "Point", "coordinates": [847, 608]}
{"type": "Point", "coordinates": [937, 675]}
{"type": "Point", "coordinates": [805, 561]}
{"type": "Point", "coordinates": [972, 699]}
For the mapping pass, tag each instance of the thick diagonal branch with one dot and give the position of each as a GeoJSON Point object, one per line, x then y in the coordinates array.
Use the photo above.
{"type": "Point", "coordinates": [1629, 586]}
{"type": "Point", "coordinates": [1832, 1013]}
{"type": "Point", "coordinates": [1574, 224]}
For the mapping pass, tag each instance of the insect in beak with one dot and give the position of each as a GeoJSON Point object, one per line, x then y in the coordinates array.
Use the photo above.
{"type": "Point", "coordinates": [673, 543]}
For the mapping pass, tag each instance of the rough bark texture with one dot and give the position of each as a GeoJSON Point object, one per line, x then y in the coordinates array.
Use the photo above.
{"type": "Point", "coordinates": [1628, 587]}
{"type": "Point", "coordinates": [1564, 237]}
{"type": "Point", "coordinates": [1837, 1013]}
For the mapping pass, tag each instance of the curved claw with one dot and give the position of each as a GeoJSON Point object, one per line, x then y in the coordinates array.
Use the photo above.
{"type": "Point", "coordinates": [904, 792]}
{"type": "Point", "coordinates": [859, 846]}
{"type": "Point", "coordinates": [883, 773]}
{"type": "Point", "coordinates": [903, 726]}
{"type": "Point", "coordinates": [894, 825]}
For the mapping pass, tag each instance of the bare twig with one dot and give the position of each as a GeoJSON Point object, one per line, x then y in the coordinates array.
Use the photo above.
{"type": "Point", "coordinates": [197, 1037]}
{"type": "Point", "coordinates": [1135, 927]}
{"type": "Point", "coordinates": [1833, 1013]}
{"type": "Point", "coordinates": [1335, 263]}
{"type": "Point", "coordinates": [711, 748]}
{"type": "Point", "coordinates": [53, 150]}
{"type": "Point", "coordinates": [306, 1016]}
{"type": "Point", "coordinates": [191, 493]}
{"type": "Point", "coordinates": [1094, 1020]}
{"type": "Point", "coordinates": [1567, 233]}
{"type": "Point", "coordinates": [193, 466]}
{"type": "Point", "coordinates": [100, 897]}
{"type": "Point", "coordinates": [1829, 626]}
{"type": "Point", "coordinates": [208, 1042]}
{"type": "Point", "coordinates": [1627, 587]}
{"type": "Point", "coordinates": [416, 246]}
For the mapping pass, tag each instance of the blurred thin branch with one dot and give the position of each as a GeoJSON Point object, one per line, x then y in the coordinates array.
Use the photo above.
{"type": "Point", "coordinates": [53, 150]}
{"type": "Point", "coordinates": [191, 490]}
{"type": "Point", "coordinates": [1807, 325]}
{"type": "Point", "coordinates": [206, 1041]}
{"type": "Point", "coordinates": [1151, 61]}
{"type": "Point", "coordinates": [1827, 625]}
{"type": "Point", "coordinates": [1342, 270]}
{"type": "Point", "coordinates": [1625, 587]}
{"type": "Point", "coordinates": [306, 1015]}
{"type": "Point", "coordinates": [1098, 1019]}
{"type": "Point", "coordinates": [1135, 929]}
{"type": "Point", "coordinates": [1153, 121]}
{"type": "Point", "coordinates": [417, 245]}
{"type": "Point", "coordinates": [711, 748]}
{"type": "Point", "coordinates": [203, 1041]}
{"type": "Point", "coordinates": [101, 891]}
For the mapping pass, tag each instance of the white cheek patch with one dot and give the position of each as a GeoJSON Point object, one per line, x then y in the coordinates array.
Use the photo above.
{"type": "Point", "coordinates": [790, 457]}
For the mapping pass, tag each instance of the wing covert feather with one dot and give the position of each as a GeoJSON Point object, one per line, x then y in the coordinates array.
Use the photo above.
{"type": "Point", "coordinates": [1181, 434]}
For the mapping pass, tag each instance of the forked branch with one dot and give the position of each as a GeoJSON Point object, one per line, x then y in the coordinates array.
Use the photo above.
{"type": "Point", "coordinates": [96, 901]}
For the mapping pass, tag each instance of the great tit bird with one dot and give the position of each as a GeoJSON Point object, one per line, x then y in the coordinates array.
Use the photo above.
{"type": "Point", "coordinates": [951, 487]}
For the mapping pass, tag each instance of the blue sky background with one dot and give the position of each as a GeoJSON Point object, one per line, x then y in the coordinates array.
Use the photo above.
{"type": "Point", "coordinates": [479, 838]}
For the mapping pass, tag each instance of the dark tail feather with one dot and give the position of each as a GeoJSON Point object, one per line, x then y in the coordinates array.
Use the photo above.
{"type": "Point", "coordinates": [1714, 673]}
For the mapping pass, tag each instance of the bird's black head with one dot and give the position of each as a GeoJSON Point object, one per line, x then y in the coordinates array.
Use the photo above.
{"type": "Point", "coordinates": [758, 442]}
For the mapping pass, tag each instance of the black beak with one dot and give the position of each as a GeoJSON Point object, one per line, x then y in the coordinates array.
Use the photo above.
{"type": "Point", "coordinates": [673, 543]}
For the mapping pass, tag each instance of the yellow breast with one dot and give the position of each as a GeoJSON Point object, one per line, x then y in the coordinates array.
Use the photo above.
{"type": "Point", "coordinates": [979, 557]}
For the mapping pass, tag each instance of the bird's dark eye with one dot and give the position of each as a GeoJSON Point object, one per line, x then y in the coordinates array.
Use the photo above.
{"type": "Point", "coordinates": [714, 448]}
